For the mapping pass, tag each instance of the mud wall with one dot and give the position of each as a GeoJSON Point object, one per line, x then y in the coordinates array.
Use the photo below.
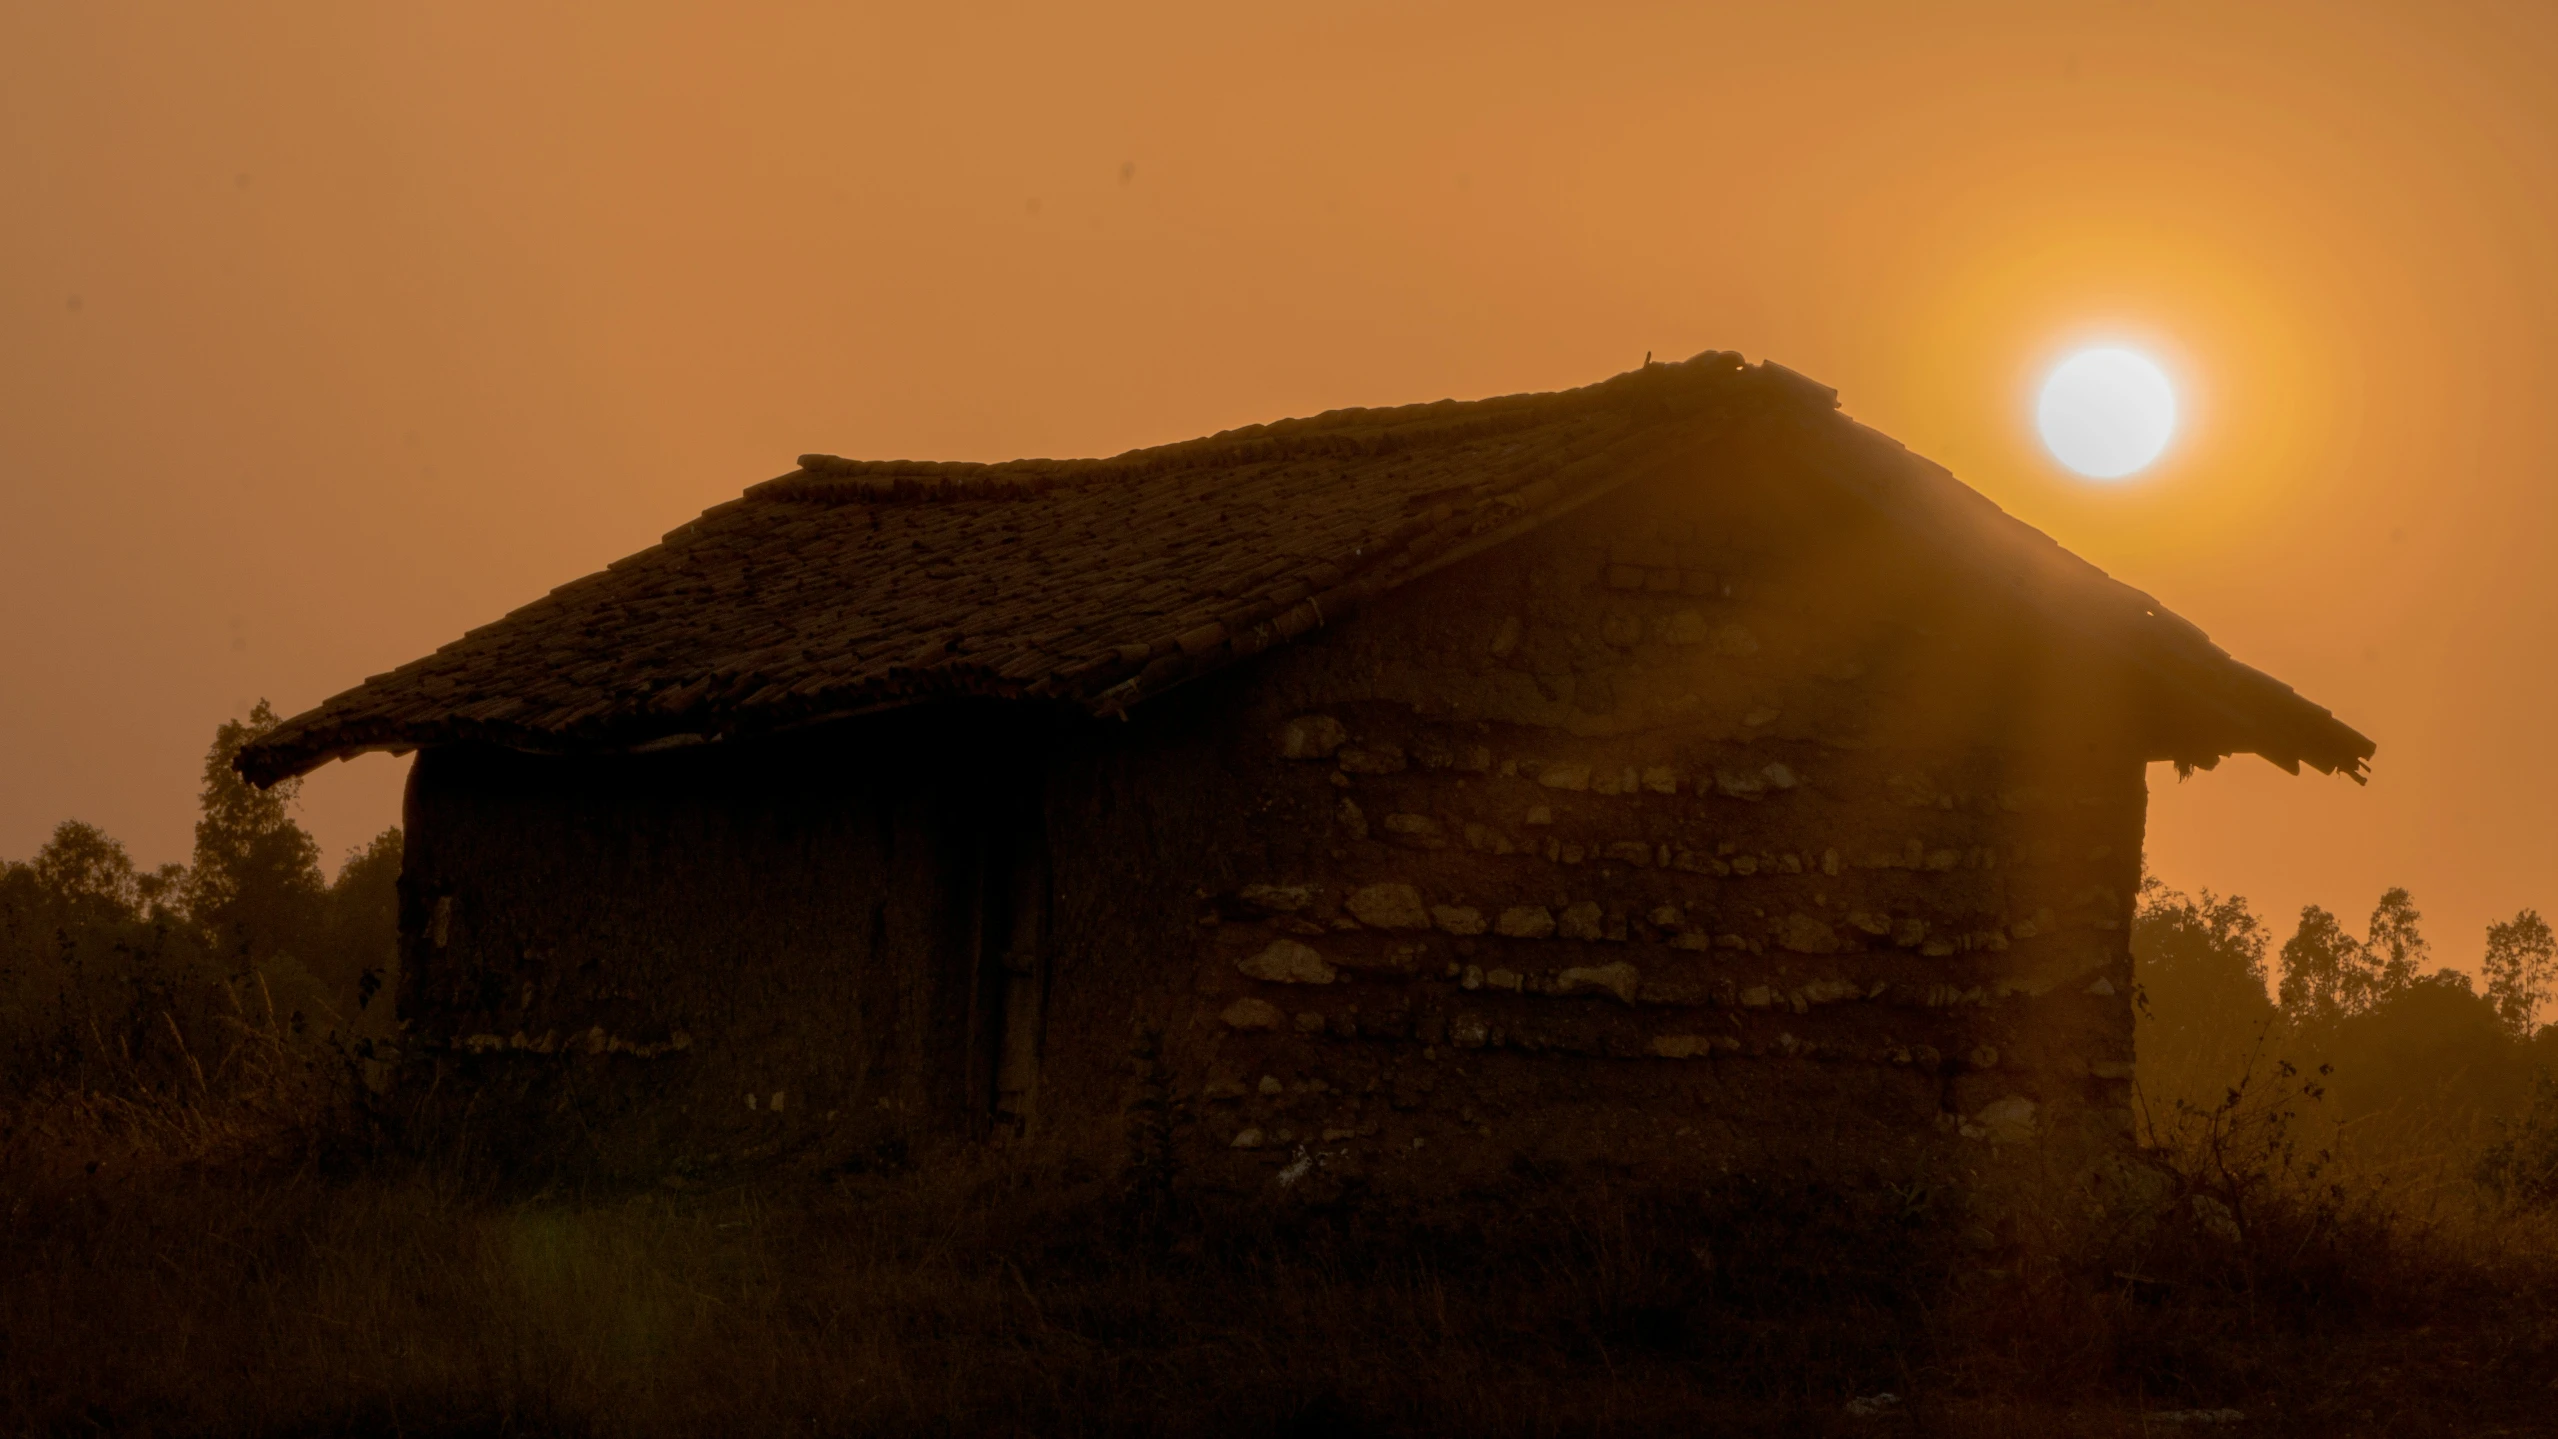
{"type": "Point", "coordinates": [660, 964]}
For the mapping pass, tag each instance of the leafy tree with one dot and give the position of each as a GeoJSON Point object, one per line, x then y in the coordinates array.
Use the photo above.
{"type": "Point", "coordinates": [2316, 961]}
{"type": "Point", "coordinates": [85, 873]}
{"type": "Point", "coordinates": [2521, 966]}
{"type": "Point", "coordinates": [364, 920]}
{"type": "Point", "coordinates": [2199, 960]}
{"type": "Point", "coordinates": [2394, 949]}
{"type": "Point", "coordinates": [255, 886]}
{"type": "Point", "coordinates": [2427, 1051]}
{"type": "Point", "coordinates": [120, 979]}
{"type": "Point", "coordinates": [2329, 975]}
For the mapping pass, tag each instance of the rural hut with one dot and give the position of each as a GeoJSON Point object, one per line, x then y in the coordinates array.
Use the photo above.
{"type": "Point", "coordinates": [1670, 776]}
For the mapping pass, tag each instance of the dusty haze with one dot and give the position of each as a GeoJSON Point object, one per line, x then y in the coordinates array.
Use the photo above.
{"type": "Point", "coordinates": [333, 331]}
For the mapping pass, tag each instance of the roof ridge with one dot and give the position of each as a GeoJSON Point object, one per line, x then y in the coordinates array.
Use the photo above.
{"type": "Point", "coordinates": [1349, 431]}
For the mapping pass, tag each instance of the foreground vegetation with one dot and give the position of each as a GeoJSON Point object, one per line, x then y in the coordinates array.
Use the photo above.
{"type": "Point", "coordinates": [2348, 1225]}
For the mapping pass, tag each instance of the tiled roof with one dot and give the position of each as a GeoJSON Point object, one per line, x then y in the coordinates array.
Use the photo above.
{"type": "Point", "coordinates": [847, 586]}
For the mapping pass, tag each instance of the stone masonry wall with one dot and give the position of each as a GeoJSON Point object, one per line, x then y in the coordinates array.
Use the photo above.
{"type": "Point", "coordinates": [1705, 834]}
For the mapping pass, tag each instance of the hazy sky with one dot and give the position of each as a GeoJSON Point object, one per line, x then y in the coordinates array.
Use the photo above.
{"type": "Point", "coordinates": [328, 331]}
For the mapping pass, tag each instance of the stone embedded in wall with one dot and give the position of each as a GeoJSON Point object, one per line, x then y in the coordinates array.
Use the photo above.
{"type": "Point", "coordinates": [1825, 991]}
{"type": "Point", "coordinates": [2005, 1121]}
{"type": "Point", "coordinates": [1692, 939]}
{"type": "Point", "coordinates": [1687, 627]}
{"type": "Point", "coordinates": [1457, 919]}
{"type": "Point", "coordinates": [1565, 776]}
{"type": "Point", "coordinates": [1372, 759]}
{"type": "Point", "coordinates": [1916, 790]}
{"type": "Point", "coordinates": [1310, 1023]}
{"type": "Point", "coordinates": [1626, 851]}
{"type": "Point", "coordinates": [1483, 839]}
{"type": "Point", "coordinates": [1540, 814]}
{"type": "Point", "coordinates": [1287, 962]}
{"type": "Point", "coordinates": [1469, 759]}
{"type": "Point", "coordinates": [1354, 821]}
{"type": "Point", "coordinates": [1469, 1031]}
{"type": "Point", "coordinates": [2039, 923]}
{"type": "Point", "coordinates": [1276, 898]}
{"type": "Point", "coordinates": [597, 1042]}
{"type": "Point", "coordinates": [1526, 921]}
{"type": "Point", "coordinates": [1667, 916]}
{"type": "Point", "coordinates": [1505, 637]}
{"type": "Point", "coordinates": [1253, 1015]}
{"type": "Point", "coordinates": [1735, 640]}
{"type": "Point", "coordinates": [1614, 781]}
{"type": "Point", "coordinates": [1621, 629]}
{"type": "Point", "coordinates": [1388, 906]}
{"type": "Point", "coordinates": [1661, 779]}
{"type": "Point", "coordinates": [1804, 934]}
{"type": "Point", "coordinates": [1579, 921]}
{"type": "Point", "coordinates": [1693, 1046]}
{"type": "Point", "coordinates": [1311, 737]}
{"type": "Point", "coordinates": [1618, 979]}
{"type": "Point", "coordinates": [1416, 831]}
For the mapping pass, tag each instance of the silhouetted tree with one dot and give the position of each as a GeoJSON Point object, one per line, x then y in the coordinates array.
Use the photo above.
{"type": "Point", "coordinates": [2521, 966]}
{"type": "Point", "coordinates": [86, 874]}
{"type": "Point", "coordinates": [2200, 961]}
{"type": "Point", "coordinates": [2199, 966]}
{"type": "Point", "coordinates": [255, 887]}
{"type": "Point", "coordinates": [2316, 960]}
{"type": "Point", "coordinates": [95, 963]}
{"type": "Point", "coordinates": [120, 978]}
{"type": "Point", "coordinates": [2394, 950]}
{"type": "Point", "coordinates": [364, 921]}
{"type": "Point", "coordinates": [2329, 975]}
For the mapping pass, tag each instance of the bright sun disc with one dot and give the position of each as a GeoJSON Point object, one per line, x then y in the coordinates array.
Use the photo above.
{"type": "Point", "coordinates": [2107, 413]}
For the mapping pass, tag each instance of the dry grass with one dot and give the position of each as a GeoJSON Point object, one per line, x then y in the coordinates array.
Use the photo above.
{"type": "Point", "coordinates": [226, 1272]}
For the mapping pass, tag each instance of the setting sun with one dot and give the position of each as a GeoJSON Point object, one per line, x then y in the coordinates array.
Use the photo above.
{"type": "Point", "coordinates": [2107, 413]}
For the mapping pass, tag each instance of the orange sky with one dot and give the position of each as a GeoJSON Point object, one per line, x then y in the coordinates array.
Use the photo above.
{"type": "Point", "coordinates": [328, 331]}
